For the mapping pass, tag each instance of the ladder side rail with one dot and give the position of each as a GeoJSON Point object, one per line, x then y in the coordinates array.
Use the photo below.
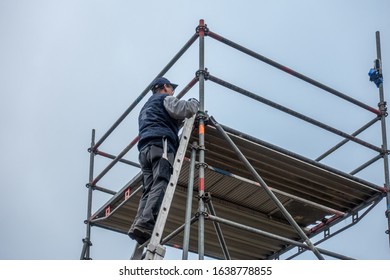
{"type": "Point", "coordinates": [155, 250]}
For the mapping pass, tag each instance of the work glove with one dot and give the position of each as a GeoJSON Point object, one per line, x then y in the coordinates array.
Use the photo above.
{"type": "Point", "coordinates": [194, 99]}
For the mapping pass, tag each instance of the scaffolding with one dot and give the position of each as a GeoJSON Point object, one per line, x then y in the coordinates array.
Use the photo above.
{"type": "Point", "coordinates": [252, 199]}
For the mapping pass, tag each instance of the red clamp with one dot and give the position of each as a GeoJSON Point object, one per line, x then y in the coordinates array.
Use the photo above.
{"type": "Point", "coordinates": [202, 29]}
{"type": "Point", "coordinates": [127, 193]}
{"type": "Point", "coordinates": [108, 210]}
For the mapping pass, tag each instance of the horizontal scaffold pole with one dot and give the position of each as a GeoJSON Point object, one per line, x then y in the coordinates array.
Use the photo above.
{"type": "Point", "coordinates": [368, 163]}
{"type": "Point", "coordinates": [313, 162]}
{"type": "Point", "coordinates": [103, 154]}
{"type": "Point", "coordinates": [291, 196]}
{"type": "Point", "coordinates": [271, 235]}
{"type": "Point", "coordinates": [339, 145]}
{"type": "Point", "coordinates": [117, 158]}
{"type": "Point", "coordinates": [292, 72]}
{"type": "Point", "coordinates": [146, 90]}
{"type": "Point", "coordinates": [292, 112]}
{"type": "Point", "coordinates": [105, 190]}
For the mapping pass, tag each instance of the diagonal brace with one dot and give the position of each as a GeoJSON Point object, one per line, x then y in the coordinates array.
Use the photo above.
{"type": "Point", "coordinates": [217, 227]}
{"type": "Point", "coordinates": [267, 190]}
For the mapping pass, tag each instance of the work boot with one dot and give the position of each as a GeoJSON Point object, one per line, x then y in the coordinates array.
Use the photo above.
{"type": "Point", "coordinates": [135, 237]}
{"type": "Point", "coordinates": [139, 234]}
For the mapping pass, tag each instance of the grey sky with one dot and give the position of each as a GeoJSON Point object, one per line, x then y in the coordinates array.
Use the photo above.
{"type": "Point", "coordinates": [69, 66]}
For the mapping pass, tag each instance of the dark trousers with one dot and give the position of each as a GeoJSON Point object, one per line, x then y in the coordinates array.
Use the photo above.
{"type": "Point", "coordinates": [156, 174]}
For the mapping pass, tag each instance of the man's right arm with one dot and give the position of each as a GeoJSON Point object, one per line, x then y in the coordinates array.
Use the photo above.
{"type": "Point", "coordinates": [181, 109]}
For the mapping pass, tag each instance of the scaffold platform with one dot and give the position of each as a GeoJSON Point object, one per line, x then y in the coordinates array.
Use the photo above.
{"type": "Point", "coordinates": [315, 195]}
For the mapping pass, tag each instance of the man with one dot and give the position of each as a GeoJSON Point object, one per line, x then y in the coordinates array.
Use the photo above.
{"type": "Point", "coordinates": [159, 120]}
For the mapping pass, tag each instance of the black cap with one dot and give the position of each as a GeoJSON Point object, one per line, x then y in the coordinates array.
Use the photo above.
{"type": "Point", "coordinates": [158, 82]}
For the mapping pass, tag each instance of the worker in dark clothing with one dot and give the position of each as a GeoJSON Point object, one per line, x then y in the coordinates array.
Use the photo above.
{"type": "Point", "coordinates": [159, 120]}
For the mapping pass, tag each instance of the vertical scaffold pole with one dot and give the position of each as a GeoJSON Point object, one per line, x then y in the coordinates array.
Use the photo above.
{"type": "Point", "coordinates": [85, 253]}
{"type": "Point", "coordinates": [382, 108]}
{"type": "Point", "coordinates": [190, 187]}
{"type": "Point", "coordinates": [201, 31]}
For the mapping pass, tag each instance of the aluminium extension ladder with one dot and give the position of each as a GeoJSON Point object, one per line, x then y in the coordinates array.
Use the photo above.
{"type": "Point", "coordinates": [154, 250]}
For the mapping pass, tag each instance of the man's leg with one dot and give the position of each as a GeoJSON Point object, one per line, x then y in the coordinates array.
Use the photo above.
{"type": "Point", "coordinates": [161, 175]}
{"type": "Point", "coordinates": [147, 173]}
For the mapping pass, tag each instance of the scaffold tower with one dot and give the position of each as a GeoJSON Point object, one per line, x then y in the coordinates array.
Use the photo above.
{"type": "Point", "coordinates": [249, 199]}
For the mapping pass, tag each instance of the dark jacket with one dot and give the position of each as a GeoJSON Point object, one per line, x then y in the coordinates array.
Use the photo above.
{"type": "Point", "coordinates": [155, 123]}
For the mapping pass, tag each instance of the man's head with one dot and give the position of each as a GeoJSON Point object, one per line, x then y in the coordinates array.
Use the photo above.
{"type": "Point", "coordinates": [162, 85]}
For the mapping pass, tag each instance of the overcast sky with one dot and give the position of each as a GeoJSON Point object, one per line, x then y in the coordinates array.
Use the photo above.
{"type": "Point", "coordinates": [67, 67]}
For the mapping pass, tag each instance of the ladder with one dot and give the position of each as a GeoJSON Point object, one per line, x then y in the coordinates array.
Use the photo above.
{"type": "Point", "coordinates": [154, 250]}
